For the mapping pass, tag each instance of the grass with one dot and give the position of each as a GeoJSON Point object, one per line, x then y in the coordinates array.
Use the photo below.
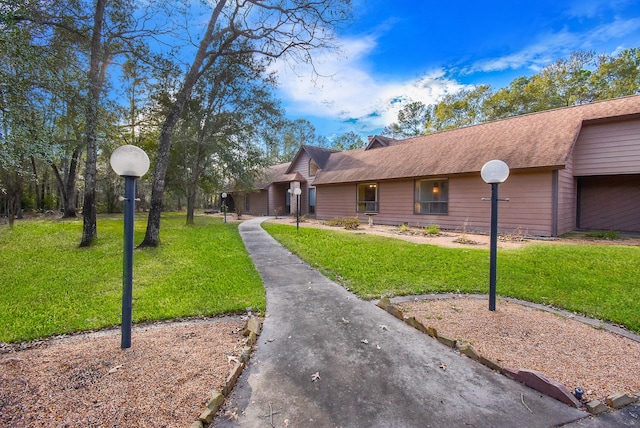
{"type": "Point", "coordinates": [599, 281]}
{"type": "Point", "coordinates": [50, 286]}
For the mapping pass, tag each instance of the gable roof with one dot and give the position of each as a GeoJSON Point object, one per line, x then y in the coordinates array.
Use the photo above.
{"type": "Point", "coordinates": [319, 154]}
{"type": "Point", "coordinates": [536, 140]}
{"type": "Point", "coordinates": [278, 174]}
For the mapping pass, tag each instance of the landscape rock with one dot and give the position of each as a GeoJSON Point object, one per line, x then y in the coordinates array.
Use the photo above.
{"type": "Point", "coordinates": [395, 312]}
{"type": "Point", "coordinates": [413, 322]}
{"type": "Point", "coordinates": [490, 363]}
{"type": "Point", "coordinates": [253, 325]}
{"type": "Point", "coordinates": [232, 378]}
{"type": "Point", "coordinates": [447, 341]}
{"type": "Point", "coordinates": [431, 331]}
{"type": "Point", "coordinates": [383, 303]}
{"type": "Point", "coordinates": [620, 400]}
{"type": "Point", "coordinates": [468, 350]}
{"type": "Point", "coordinates": [595, 407]}
{"type": "Point", "coordinates": [212, 407]}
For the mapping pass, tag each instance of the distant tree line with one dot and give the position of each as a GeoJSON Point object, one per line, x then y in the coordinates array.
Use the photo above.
{"type": "Point", "coordinates": [582, 78]}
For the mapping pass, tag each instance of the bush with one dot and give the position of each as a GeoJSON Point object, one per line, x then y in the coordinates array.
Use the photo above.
{"type": "Point", "coordinates": [433, 229]}
{"type": "Point", "coordinates": [349, 223]}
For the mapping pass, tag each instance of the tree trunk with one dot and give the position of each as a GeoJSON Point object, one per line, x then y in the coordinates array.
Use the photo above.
{"type": "Point", "coordinates": [96, 76]}
{"type": "Point", "coordinates": [152, 235]}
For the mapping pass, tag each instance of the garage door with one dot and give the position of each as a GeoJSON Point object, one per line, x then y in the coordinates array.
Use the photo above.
{"type": "Point", "coordinates": [609, 203]}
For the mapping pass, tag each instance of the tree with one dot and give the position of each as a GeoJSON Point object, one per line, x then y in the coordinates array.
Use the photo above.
{"type": "Point", "coordinates": [348, 141]}
{"type": "Point", "coordinates": [412, 119]}
{"type": "Point", "coordinates": [231, 105]}
{"type": "Point", "coordinates": [273, 29]}
{"type": "Point", "coordinates": [617, 76]}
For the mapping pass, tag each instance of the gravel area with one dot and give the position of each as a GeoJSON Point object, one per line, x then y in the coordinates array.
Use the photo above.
{"type": "Point", "coordinates": [164, 380]}
{"type": "Point", "coordinates": [568, 351]}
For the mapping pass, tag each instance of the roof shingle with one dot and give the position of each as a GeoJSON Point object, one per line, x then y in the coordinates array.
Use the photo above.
{"type": "Point", "coordinates": [537, 140]}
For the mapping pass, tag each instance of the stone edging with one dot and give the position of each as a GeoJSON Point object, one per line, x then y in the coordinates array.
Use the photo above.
{"type": "Point", "coordinates": [531, 378]}
{"type": "Point", "coordinates": [251, 332]}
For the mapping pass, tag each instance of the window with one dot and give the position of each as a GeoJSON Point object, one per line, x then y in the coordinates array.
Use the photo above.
{"type": "Point", "coordinates": [312, 200]}
{"type": "Point", "coordinates": [367, 197]}
{"type": "Point", "coordinates": [313, 168]}
{"type": "Point", "coordinates": [432, 196]}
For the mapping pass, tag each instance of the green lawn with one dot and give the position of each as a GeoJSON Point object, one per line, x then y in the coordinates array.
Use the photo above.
{"type": "Point", "coordinates": [50, 286]}
{"type": "Point", "coordinates": [600, 281]}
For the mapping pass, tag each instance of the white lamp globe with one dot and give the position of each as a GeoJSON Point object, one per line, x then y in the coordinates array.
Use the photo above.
{"type": "Point", "coordinates": [129, 161]}
{"type": "Point", "coordinates": [224, 195]}
{"type": "Point", "coordinates": [494, 171]}
{"type": "Point", "coordinates": [297, 191]}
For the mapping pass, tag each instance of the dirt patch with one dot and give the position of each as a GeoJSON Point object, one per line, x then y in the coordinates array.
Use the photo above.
{"type": "Point", "coordinates": [568, 351]}
{"type": "Point", "coordinates": [165, 379]}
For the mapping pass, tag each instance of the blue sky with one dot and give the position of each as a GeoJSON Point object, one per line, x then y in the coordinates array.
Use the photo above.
{"type": "Point", "coordinates": [398, 51]}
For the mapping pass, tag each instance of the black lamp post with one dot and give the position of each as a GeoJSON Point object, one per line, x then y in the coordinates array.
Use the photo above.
{"type": "Point", "coordinates": [130, 162]}
{"type": "Point", "coordinates": [297, 192]}
{"type": "Point", "coordinates": [494, 172]}
{"type": "Point", "coordinates": [224, 205]}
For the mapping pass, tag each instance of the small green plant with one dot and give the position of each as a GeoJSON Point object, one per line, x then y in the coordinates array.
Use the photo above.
{"type": "Point", "coordinates": [433, 230]}
{"type": "Point", "coordinates": [404, 227]}
{"type": "Point", "coordinates": [610, 235]}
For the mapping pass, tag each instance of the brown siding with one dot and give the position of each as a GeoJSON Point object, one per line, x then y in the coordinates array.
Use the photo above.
{"type": "Point", "coordinates": [567, 194]}
{"type": "Point", "coordinates": [301, 166]}
{"type": "Point", "coordinates": [608, 149]}
{"type": "Point", "coordinates": [258, 203]}
{"type": "Point", "coordinates": [610, 203]}
{"type": "Point", "coordinates": [529, 208]}
{"type": "Point", "coordinates": [335, 201]}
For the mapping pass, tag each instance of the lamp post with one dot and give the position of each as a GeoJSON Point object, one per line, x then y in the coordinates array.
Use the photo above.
{"type": "Point", "coordinates": [224, 205]}
{"type": "Point", "coordinates": [130, 162]}
{"type": "Point", "coordinates": [297, 191]}
{"type": "Point", "coordinates": [494, 172]}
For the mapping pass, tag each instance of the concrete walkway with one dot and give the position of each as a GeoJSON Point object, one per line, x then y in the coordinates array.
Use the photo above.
{"type": "Point", "coordinates": [371, 369]}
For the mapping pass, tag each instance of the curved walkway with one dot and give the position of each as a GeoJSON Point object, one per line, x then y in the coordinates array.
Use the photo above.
{"type": "Point", "coordinates": [370, 369]}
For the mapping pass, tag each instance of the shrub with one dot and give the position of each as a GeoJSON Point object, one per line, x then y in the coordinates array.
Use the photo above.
{"type": "Point", "coordinates": [433, 229]}
{"type": "Point", "coordinates": [346, 222]}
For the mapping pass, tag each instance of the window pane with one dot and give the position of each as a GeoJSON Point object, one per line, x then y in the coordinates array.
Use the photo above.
{"type": "Point", "coordinates": [367, 197]}
{"type": "Point", "coordinates": [432, 197]}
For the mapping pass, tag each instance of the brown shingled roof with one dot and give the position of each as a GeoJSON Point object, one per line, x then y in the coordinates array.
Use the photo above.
{"type": "Point", "coordinates": [319, 154]}
{"type": "Point", "coordinates": [278, 174]}
{"type": "Point", "coordinates": [537, 140]}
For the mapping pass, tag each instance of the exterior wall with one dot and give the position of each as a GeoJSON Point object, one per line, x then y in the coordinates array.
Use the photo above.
{"type": "Point", "coordinates": [567, 194]}
{"type": "Point", "coordinates": [258, 203]}
{"type": "Point", "coordinates": [276, 199]}
{"type": "Point", "coordinates": [608, 149]}
{"type": "Point", "coordinates": [610, 203]}
{"type": "Point", "coordinates": [529, 209]}
{"type": "Point", "coordinates": [301, 166]}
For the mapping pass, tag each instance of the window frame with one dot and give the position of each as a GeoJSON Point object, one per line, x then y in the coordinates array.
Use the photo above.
{"type": "Point", "coordinates": [420, 201]}
{"type": "Point", "coordinates": [374, 204]}
{"type": "Point", "coordinates": [312, 195]}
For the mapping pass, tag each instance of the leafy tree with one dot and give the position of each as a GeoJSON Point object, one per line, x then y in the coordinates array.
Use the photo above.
{"type": "Point", "coordinates": [411, 121]}
{"type": "Point", "coordinates": [348, 141]}
{"type": "Point", "coordinates": [617, 76]}
{"type": "Point", "coordinates": [273, 29]}
{"type": "Point", "coordinates": [215, 140]}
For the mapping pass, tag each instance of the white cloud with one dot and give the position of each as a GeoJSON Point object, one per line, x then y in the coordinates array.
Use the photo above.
{"type": "Point", "coordinates": [346, 90]}
{"type": "Point", "coordinates": [550, 47]}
